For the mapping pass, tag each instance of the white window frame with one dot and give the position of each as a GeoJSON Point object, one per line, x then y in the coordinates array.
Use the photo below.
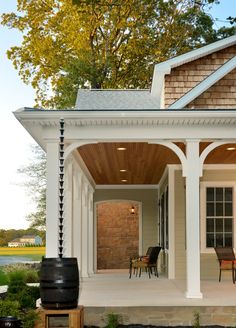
{"type": "Point", "coordinates": [214, 184]}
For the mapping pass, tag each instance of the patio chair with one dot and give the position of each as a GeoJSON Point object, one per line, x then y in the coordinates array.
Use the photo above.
{"type": "Point", "coordinates": [148, 263]}
{"type": "Point", "coordinates": [227, 260]}
{"type": "Point", "coordinates": [135, 259]}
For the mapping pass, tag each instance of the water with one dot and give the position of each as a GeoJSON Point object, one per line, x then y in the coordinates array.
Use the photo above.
{"type": "Point", "coordinates": [5, 260]}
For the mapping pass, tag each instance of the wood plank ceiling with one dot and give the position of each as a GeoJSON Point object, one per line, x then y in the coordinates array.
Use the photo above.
{"type": "Point", "coordinates": [140, 163]}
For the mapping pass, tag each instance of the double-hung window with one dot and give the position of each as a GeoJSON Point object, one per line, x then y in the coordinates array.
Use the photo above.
{"type": "Point", "coordinates": [219, 222]}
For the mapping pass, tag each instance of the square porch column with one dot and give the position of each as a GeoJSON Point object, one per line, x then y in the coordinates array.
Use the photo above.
{"type": "Point", "coordinates": [192, 220]}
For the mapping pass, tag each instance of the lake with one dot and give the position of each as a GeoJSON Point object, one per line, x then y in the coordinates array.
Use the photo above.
{"type": "Point", "coordinates": [5, 260]}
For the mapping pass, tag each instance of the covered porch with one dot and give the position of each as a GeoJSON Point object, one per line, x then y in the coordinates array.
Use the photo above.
{"type": "Point", "coordinates": [188, 136]}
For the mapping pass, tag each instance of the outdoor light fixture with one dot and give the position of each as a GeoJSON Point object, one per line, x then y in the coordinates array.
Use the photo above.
{"type": "Point", "coordinates": [231, 148]}
{"type": "Point", "coordinates": [132, 210]}
{"type": "Point", "coordinates": [124, 180]}
{"type": "Point", "coordinates": [121, 148]}
{"type": "Point", "coordinates": [123, 170]}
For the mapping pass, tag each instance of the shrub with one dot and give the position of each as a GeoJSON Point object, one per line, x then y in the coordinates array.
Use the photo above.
{"type": "Point", "coordinates": [9, 308]}
{"type": "Point", "coordinates": [32, 276]}
{"type": "Point", "coordinates": [18, 290]}
{"type": "Point", "coordinates": [3, 278]}
{"type": "Point", "coordinates": [21, 299]}
{"type": "Point", "coordinates": [112, 320]}
{"type": "Point", "coordinates": [17, 281]}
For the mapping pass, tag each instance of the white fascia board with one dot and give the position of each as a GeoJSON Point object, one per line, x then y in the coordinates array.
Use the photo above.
{"type": "Point", "coordinates": [200, 52]}
{"type": "Point", "coordinates": [204, 85]}
{"type": "Point", "coordinates": [52, 117]}
{"type": "Point", "coordinates": [157, 88]}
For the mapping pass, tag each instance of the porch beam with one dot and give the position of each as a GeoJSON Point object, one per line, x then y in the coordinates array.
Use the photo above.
{"type": "Point", "coordinates": [192, 220]}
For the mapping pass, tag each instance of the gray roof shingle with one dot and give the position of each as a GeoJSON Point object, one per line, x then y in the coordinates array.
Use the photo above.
{"type": "Point", "coordinates": [96, 99]}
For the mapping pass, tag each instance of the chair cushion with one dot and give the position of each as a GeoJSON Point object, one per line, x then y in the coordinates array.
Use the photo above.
{"type": "Point", "coordinates": [227, 264]}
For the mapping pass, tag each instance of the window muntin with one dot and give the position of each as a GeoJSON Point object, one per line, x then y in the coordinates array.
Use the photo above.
{"type": "Point", "coordinates": [219, 216]}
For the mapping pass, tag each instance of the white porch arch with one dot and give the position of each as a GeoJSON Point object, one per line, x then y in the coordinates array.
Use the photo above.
{"type": "Point", "coordinates": [210, 147]}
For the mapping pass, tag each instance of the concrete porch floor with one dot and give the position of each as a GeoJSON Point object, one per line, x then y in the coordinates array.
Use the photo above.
{"type": "Point", "coordinates": [114, 289]}
{"type": "Point", "coordinates": [156, 301]}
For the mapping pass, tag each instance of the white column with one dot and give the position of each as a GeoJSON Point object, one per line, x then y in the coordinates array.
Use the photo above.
{"type": "Point", "coordinates": [84, 265]}
{"type": "Point", "coordinates": [90, 232]}
{"type": "Point", "coordinates": [77, 216]}
{"type": "Point", "coordinates": [192, 220]}
{"type": "Point", "coordinates": [52, 203]}
{"type": "Point", "coordinates": [68, 194]}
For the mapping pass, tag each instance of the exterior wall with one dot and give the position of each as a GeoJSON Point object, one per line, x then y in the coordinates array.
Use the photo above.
{"type": "Point", "coordinates": [117, 234]}
{"type": "Point", "coordinates": [148, 198]}
{"type": "Point", "coordinates": [221, 95]}
{"type": "Point", "coordinates": [209, 264]}
{"type": "Point", "coordinates": [185, 77]}
{"type": "Point", "coordinates": [219, 175]}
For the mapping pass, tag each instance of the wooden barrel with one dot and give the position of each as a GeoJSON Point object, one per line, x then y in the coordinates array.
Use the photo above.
{"type": "Point", "coordinates": [10, 322]}
{"type": "Point", "coordinates": [59, 283]}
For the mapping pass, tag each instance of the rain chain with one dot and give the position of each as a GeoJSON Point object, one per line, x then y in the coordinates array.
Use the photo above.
{"type": "Point", "coordinates": [61, 187]}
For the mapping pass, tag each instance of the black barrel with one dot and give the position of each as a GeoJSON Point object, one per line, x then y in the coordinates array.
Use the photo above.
{"type": "Point", "coordinates": [59, 283]}
{"type": "Point", "coordinates": [10, 322]}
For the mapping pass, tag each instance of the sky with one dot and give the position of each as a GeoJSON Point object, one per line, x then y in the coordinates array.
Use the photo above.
{"type": "Point", "coordinates": [15, 142]}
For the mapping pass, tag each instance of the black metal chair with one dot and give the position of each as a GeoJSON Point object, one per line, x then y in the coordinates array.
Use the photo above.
{"type": "Point", "coordinates": [227, 260]}
{"type": "Point", "coordinates": [148, 262]}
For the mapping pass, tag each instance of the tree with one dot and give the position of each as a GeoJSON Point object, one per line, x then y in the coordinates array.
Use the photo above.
{"type": "Point", "coordinates": [101, 43]}
{"type": "Point", "coordinates": [35, 184]}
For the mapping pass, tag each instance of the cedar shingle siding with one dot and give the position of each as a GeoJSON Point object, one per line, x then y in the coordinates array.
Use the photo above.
{"type": "Point", "coordinates": [185, 77]}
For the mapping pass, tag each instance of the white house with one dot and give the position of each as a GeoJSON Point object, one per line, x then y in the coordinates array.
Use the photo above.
{"type": "Point", "coordinates": [169, 151]}
{"type": "Point", "coordinates": [25, 240]}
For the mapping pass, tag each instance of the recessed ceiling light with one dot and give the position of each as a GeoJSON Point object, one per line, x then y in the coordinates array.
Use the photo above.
{"type": "Point", "coordinates": [231, 148]}
{"type": "Point", "coordinates": [123, 170]}
{"type": "Point", "coordinates": [121, 148]}
{"type": "Point", "coordinates": [124, 180]}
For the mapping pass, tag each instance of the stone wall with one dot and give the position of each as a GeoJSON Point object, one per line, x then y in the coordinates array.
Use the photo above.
{"type": "Point", "coordinates": [163, 315]}
{"type": "Point", "coordinates": [117, 234]}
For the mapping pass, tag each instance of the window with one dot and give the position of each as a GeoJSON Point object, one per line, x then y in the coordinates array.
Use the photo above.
{"type": "Point", "coordinates": [219, 216]}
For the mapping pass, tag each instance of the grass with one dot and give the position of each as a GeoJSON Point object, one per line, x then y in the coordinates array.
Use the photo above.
{"type": "Point", "coordinates": [33, 253]}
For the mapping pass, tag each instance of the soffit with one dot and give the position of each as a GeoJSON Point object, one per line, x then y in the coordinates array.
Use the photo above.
{"type": "Point", "coordinates": [144, 163]}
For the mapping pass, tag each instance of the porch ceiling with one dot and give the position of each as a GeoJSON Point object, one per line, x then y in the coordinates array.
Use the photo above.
{"type": "Point", "coordinates": [142, 163]}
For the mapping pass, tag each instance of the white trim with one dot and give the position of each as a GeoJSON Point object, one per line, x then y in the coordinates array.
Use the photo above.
{"type": "Point", "coordinates": [127, 186]}
{"type": "Point", "coordinates": [157, 88]}
{"type": "Point", "coordinates": [128, 125]}
{"type": "Point", "coordinates": [203, 186]}
{"type": "Point", "coordinates": [163, 177]}
{"type": "Point", "coordinates": [204, 85]}
{"type": "Point", "coordinates": [197, 53]}
{"type": "Point", "coordinates": [219, 166]}
{"type": "Point", "coordinates": [78, 159]}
